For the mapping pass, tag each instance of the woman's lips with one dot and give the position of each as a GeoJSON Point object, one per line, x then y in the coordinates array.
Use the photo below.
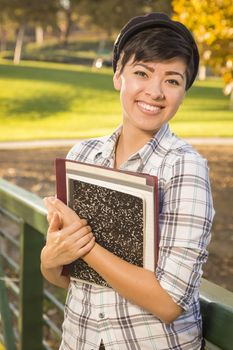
{"type": "Point", "coordinates": [148, 107]}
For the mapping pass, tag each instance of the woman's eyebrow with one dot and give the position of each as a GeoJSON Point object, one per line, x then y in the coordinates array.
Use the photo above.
{"type": "Point", "coordinates": [151, 69]}
{"type": "Point", "coordinates": [174, 73]}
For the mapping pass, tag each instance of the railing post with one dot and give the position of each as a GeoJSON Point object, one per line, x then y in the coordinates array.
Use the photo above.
{"type": "Point", "coordinates": [5, 313]}
{"type": "Point", "coordinates": [31, 289]}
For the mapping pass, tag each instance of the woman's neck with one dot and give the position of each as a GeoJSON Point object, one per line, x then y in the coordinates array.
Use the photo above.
{"type": "Point", "coordinates": [129, 142]}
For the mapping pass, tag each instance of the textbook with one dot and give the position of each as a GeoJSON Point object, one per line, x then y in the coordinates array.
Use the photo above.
{"type": "Point", "coordinates": [121, 208]}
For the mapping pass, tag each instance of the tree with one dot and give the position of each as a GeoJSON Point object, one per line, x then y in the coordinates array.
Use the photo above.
{"type": "Point", "coordinates": [112, 15]}
{"type": "Point", "coordinates": [27, 12]}
{"type": "Point", "coordinates": [66, 16]}
{"type": "Point", "coordinates": [211, 22]}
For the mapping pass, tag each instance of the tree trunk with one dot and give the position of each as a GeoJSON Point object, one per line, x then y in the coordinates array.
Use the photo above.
{"type": "Point", "coordinates": [231, 99]}
{"type": "Point", "coordinates": [19, 44]}
{"type": "Point", "coordinates": [3, 35]}
{"type": "Point", "coordinates": [39, 33]}
{"type": "Point", "coordinates": [228, 90]}
{"type": "Point", "coordinates": [68, 26]}
{"type": "Point", "coordinates": [202, 73]}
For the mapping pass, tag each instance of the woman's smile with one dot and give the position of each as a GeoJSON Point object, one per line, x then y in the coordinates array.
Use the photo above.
{"type": "Point", "coordinates": [147, 107]}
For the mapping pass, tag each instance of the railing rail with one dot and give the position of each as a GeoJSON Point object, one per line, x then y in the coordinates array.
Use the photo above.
{"type": "Point", "coordinates": [27, 210]}
{"type": "Point", "coordinates": [217, 315]}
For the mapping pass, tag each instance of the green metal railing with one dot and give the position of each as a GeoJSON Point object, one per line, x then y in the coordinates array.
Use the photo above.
{"type": "Point", "coordinates": [22, 295]}
{"type": "Point", "coordinates": [25, 324]}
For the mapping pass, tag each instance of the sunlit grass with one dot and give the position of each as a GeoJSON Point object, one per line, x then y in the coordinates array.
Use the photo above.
{"type": "Point", "coordinates": [45, 100]}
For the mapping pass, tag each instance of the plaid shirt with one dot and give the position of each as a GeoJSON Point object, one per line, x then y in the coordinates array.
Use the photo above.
{"type": "Point", "coordinates": [93, 313]}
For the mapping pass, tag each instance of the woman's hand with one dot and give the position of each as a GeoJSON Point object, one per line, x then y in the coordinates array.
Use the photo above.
{"type": "Point", "coordinates": [66, 214]}
{"type": "Point", "coordinates": [65, 245]}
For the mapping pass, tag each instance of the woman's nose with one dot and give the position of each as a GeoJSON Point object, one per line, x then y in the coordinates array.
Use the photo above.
{"type": "Point", "coordinates": [155, 91]}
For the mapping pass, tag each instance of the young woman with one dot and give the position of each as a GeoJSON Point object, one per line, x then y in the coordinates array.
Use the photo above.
{"type": "Point", "coordinates": [155, 61]}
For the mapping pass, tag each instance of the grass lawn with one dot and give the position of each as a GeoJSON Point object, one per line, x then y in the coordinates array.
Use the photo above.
{"type": "Point", "coordinates": [46, 100]}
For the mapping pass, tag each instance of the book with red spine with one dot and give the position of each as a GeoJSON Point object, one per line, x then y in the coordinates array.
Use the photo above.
{"type": "Point", "coordinates": [120, 206]}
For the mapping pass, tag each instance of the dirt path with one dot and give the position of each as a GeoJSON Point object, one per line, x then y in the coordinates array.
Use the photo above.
{"type": "Point", "coordinates": [33, 170]}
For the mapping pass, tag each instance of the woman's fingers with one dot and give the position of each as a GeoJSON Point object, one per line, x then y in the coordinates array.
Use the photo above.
{"type": "Point", "coordinates": [68, 244]}
{"type": "Point", "coordinates": [86, 248]}
{"type": "Point", "coordinates": [51, 209]}
{"type": "Point", "coordinates": [74, 228]}
{"type": "Point", "coordinates": [61, 206]}
{"type": "Point", "coordinates": [67, 241]}
{"type": "Point", "coordinates": [53, 202]}
{"type": "Point", "coordinates": [80, 247]}
{"type": "Point", "coordinates": [48, 202]}
{"type": "Point", "coordinates": [81, 237]}
{"type": "Point", "coordinates": [55, 223]}
{"type": "Point", "coordinates": [66, 214]}
{"type": "Point", "coordinates": [69, 235]}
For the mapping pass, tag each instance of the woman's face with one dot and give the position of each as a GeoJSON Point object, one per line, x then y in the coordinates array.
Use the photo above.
{"type": "Point", "coordinates": [150, 92]}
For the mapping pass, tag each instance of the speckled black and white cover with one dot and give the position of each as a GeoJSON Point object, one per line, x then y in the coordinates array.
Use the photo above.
{"type": "Point", "coordinates": [117, 222]}
{"type": "Point", "coordinates": [117, 208]}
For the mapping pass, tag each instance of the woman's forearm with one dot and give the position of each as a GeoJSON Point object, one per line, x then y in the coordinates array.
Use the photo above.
{"type": "Point", "coordinates": [134, 283]}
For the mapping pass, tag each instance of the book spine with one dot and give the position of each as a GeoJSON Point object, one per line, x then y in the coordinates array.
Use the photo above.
{"type": "Point", "coordinates": [61, 180]}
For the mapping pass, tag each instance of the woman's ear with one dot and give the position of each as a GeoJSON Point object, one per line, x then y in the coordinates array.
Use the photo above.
{"type": "Point", "coordinates": [117, 80]}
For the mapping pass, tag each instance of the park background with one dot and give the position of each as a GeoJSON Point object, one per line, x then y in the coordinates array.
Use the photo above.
{"type": "Point", "coordinates": [56, 84]}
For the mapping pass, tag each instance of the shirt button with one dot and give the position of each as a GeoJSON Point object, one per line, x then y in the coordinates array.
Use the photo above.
{"type": "Point", "coordinates": [101, 315]}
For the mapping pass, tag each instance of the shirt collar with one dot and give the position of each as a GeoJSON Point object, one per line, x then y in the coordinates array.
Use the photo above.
{"type": "Point", "coordinates": [159, 144]}
{"type": "Point", "coordinates": [107, 150]}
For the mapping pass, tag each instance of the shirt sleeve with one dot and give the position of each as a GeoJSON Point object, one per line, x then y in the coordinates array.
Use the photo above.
{"type": "Point", "coordinates": [74, 152]}
{"type": "Point", "coordinates": [186, 216]}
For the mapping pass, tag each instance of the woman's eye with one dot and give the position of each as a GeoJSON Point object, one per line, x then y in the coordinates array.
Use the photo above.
{"type": "Point", "coordinates": [173, 82]}
{"type": "Point", "coordinates": [141, 73]}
